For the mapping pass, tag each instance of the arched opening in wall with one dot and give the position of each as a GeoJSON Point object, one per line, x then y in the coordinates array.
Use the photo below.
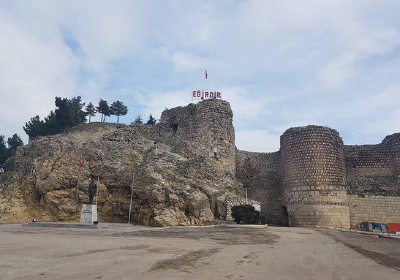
{"type": "Point", "coordinates": [174, 128]}
{"type": "Point", "coordinates": [285, 217]}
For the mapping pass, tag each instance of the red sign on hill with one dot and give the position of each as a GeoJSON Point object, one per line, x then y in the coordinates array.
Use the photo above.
{"type": "Point", "coordinates": [201, 94]}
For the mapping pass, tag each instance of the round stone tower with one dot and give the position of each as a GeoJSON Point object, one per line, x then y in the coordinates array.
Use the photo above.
{"type": "Point", "coordinates": [313, 177]}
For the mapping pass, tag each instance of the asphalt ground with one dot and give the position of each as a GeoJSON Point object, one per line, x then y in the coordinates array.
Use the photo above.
{"type": "Point", "coordinates": [223, 252]}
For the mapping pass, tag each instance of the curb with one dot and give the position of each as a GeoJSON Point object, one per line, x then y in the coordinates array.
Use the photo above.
{"type": "Point", "coordinates": [61, 225]}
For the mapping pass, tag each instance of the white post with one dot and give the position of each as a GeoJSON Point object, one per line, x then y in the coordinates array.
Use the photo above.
{"type": "Point", "coordinates": [246, 195]}
{"type": "Point", "coordinates": [130, 204]}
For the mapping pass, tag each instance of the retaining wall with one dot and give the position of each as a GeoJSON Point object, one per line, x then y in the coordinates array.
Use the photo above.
{"type": "Point", "coordinates": [380, 209]}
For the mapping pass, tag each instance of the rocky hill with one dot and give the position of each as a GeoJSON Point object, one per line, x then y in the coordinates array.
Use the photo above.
{"type": "Point", "coordinates": [182, 170]}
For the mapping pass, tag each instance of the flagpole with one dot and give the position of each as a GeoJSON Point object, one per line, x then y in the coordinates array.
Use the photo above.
{"type": "Point", "coordinates": [205, 83]}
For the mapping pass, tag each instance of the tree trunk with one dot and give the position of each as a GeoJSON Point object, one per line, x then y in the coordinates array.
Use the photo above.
{"type": "Point", "coordinates": [117, 119]}
{"type": "Point", "coordinates": [89, 118]}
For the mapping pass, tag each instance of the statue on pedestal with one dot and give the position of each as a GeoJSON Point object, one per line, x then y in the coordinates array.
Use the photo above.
{"type": "Point", "coordinates": [92, 190]}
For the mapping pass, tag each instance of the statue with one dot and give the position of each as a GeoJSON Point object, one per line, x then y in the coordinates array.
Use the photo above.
{"type": "Point", "coordinates": [92, 190]}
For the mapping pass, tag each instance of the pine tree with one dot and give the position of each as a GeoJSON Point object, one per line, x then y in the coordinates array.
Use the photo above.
{"type": "Point", "coordinates": [151, 120]}
{"type": "Point", "coordinates": [118, 109]}
{"type": "Point", "coordinates": [138, 120]}
{"type": "Point", "coordinates": [34, 127]}
{"type": "Point", "coordinates": [103, 109]}
{"type": "Point", "coordinates": [4, 153]}
{"type": "Point", "coordinates": [90, 110]}
{"type": "Point", "coordinates": [69, 112]}
{"type": "Point", "coordinates": [51, 125]}
{"type": "Point", "coordinates": [13, 143]}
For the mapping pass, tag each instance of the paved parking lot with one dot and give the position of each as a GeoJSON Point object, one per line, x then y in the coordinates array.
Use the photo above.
{"type": "Point", "coordinates": [126, 252]}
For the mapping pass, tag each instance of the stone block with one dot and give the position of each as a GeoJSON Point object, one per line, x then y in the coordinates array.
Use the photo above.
{"type": "Point", "coordinates": [89, 213]}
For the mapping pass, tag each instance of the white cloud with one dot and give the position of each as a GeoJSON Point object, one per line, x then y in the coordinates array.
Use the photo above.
{"type": "Point", "coordinates": [245, 105]}
{"type": "Point", "coordinates": [32, 71]}
{"type": "Point", "coordinates": [37, 65]}
{"type": "Point", "coordinates": [336, 73]}
{"type": "Point", "coordinates": [279, 63]}
{"type": "Point", "coordinates": [156, 102]}
{"type": "Point", "coordinates": [186, 62]}
{"type": "Point", "coordinates": [257, 141]}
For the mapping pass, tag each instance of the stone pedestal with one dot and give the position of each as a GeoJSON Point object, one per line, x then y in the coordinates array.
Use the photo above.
{"type": "Point", "coordinates": [89, 213]}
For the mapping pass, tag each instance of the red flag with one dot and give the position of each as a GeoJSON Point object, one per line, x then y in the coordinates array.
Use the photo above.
{"type": "Point", "coordinates": [206, 75]}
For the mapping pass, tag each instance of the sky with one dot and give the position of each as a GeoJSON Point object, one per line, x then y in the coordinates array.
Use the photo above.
{"type": "Point", "coordinates": [279, 63]}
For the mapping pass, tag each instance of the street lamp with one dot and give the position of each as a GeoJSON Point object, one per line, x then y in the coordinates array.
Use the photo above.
{"type": "Point", "coordinates": [246, 187]}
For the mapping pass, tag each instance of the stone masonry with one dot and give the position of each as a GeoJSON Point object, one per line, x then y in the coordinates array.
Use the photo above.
{"type": "Point", "coordinates": [315, 180]}
{"type": "Point", "coordinates": [313, 177]}
{"type": "Point", "coordinates": [181, 171]}
{"type": "Point", "coordinates": [186, 170]}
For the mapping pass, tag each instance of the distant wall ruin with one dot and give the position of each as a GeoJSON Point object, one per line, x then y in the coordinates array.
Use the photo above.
{"type": "Point", "coordinates": [205, 130]}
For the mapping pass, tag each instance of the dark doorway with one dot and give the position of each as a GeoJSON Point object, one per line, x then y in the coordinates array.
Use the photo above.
{"type": "Point", "coordinates": [285, 217]}
{"type": "Point", "coordinates": [175, 128]}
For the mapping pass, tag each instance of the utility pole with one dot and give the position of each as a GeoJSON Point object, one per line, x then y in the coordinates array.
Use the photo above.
{"type": "Point", "coordinates": [130, 203]}
{"type": "Point", "coordinates": [98, 178]}
{"type": "Point", "coordinates": [80, 164]}
{"type": "Point", "coordinates": [98, 185]}
{"type": "Point", "coordinates": [156, 143]}
{"type": "Point", "coordinates": [246, 187]}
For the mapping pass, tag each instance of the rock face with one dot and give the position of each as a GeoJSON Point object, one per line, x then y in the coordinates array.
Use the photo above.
{"type": "Point", "coordinates": [182, 170]}
{"type": "Point", "coordinates": [186, 170]}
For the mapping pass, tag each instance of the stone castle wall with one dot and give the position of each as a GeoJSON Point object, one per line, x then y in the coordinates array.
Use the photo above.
{"type": "Point", "coordinates": [322, 182]}
{"type": "Point", "coordinates": [204, 130]}
{"type": "Point", "coordinates": [180, 171]}
{"type": "Point", "coordinates": [261, 172]}
{"type": "Point", "coordinates": [187, 170]}
{"type": "Point", "coordinates": [313, 180]}
{"type": "Point", "coordinates": [313, 177]}
{"type": "Point", "coordinates": [372, 181]}
{"type": "Point", "coordinates": [374, 208]}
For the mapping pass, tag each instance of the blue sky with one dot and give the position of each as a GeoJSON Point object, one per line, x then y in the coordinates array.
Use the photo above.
{"type": "Point", "coordinates": [279, 63]}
